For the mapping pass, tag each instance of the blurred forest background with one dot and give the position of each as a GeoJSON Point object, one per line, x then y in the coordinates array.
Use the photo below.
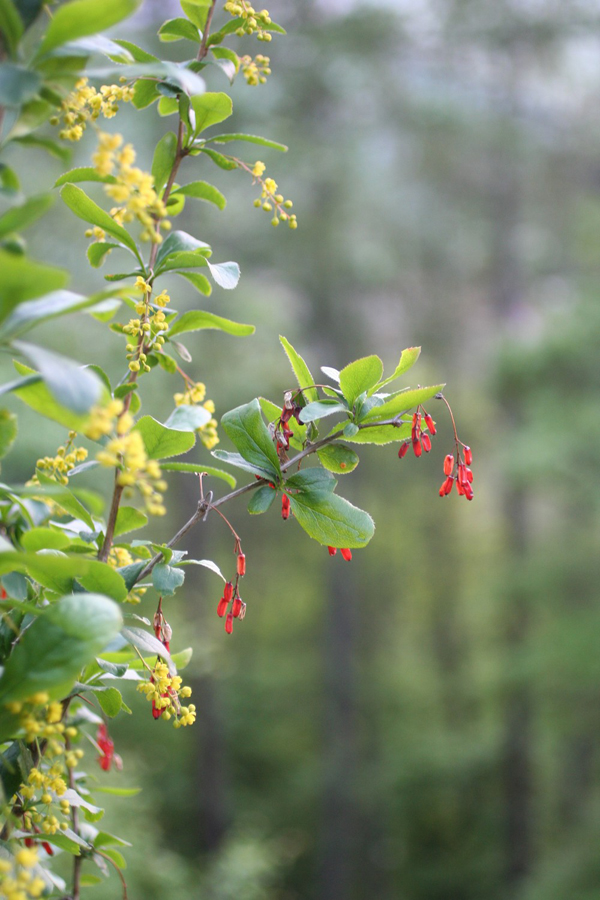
{"type": "Point", "coordinates": [424, 722]}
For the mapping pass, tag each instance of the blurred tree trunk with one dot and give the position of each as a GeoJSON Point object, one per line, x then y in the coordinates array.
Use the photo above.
{"type": "Point", "coordinates": [507, 294]}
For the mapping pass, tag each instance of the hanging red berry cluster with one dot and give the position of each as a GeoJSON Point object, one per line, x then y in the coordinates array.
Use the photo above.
{"type": "Point", "coordinates": [231, 594]}
{"type": "Point", "coordinates": [459, 464]}
{"type": "Point", "coordinates": [420, 440]}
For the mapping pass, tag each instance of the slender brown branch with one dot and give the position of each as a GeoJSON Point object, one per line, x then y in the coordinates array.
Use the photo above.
{"type": "Point", "coordinates": [112, 519]}
{"type": "Point", "coordinates": [117, 869]}
{"type": "Point", "coordinates": [203, 49]}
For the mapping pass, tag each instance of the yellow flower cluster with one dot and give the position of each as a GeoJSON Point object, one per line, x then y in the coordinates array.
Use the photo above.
{"type": "Point", "coordinates": [253, 22]}
{"type": "Point", "coordinates": [17, 881]}
{"type": "Point", "coordinates": [195, 392]}
{"type": "Point", "coordinates": [153, 326]}
{"type": "Point", "coordinates": [133, 189]}
{"type": "Point", "coordinates": [37, 717]}
{"type": "Point", "coordinates": [102, 419]}
{"type": "Point", "coordinates": [270, 200]}
{"type": "Point", "coordinates": [255, 70]}
{"type": "Point", "coordinates": [67, 456]}
{"type": "Point", "coordinates": [165, 692]}
{"type": "Point", "coordinates": [85, 104]}
{"type": "Point", "coordinates": [127, 452]}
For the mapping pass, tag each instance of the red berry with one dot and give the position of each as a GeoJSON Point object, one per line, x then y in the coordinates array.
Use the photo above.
{"type": "Point", "coordinates": [229, 623]}
{"type": "Point", "coordinates": [346, 554]}
{"type": "Point", "coordinates": [426, 441]}
{"type": "Point", "coordinates": [469, 476]}
{"type": "Point", "coordinates": [403, 450]}
{"type": "Point", "coordinates": [459, 487]}
{"type": "Point", "coordinates": [241, 564]}
{"type": "Point", "coordinates": [446, 486]}
{"type": "Point", "coordinates": [448, 464]}
{"type": "Point", "coordinates": [47, 848]}
{"type": "Point", "coordinates": [285, 507]}
{"type": "Point", "coordinates": [332, 551]}
{"type": "Point", "coordinates": [430, 423]}
{"type": "Point", "coordinates": [417, 448]}
{"type": "Point", "coordinates": [228, 591]}
{"type": "Point", "coordinates": [468, 454]}
{"type": "Point", "coordinates": [222, 607]}
{"type": "Point", "coordinates": [156, 713]}
{"type": "Point", "coordinates": [236, 607]}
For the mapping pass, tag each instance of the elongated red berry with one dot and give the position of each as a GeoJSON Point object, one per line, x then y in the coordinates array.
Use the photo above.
{"type": "Point", "coordinates": [459, 487]}
{"type": "Point", "coordinates": [430, 423]}
{"type": "Point", "coordinates": [156, 712]}
{"type": "Point", "coordinates": [426, 441]}
{"type": "Point", "coordinates": [332, 551]}
{"type": "Point", "coordinates": [346, 553]}
{"type": "Point", "coordinates": [228, 591]}
{"type": "Point", "coordinates": [236, 607]}
{"type": "Point", "coordinates": [47, 848]}
{"type": "Point", "coordinates": [468, 454]}
{"type": "Point", "coordinates": [448, 464]}
{"type": "Point", "coordinates": [469, 476]}
{"type": "Point", "coordinates": [446, 486]}
{"type": "Point", "coordinates": [417, 448]}
{"type": "Point", "coordinates": [229, 623]}
{"type": "Point", "coordinates": [403, 450]}
{"type": "Point", "coordinates": [241, 564]}
{"type": "Point", "coordinates": [222, 607]}
{"type": "Point", "coordinates": [468, 491]}
{"type": "Point", "coordinates": [285, 507]}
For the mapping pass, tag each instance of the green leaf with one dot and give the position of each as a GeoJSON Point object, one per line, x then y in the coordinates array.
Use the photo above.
{"type": "Point", "coordinates": [58, 303]}
{"type": "Point", "coordinates": [47, 144]}
{"type": "Point", "coordinates": [166, 579]}
{"type": "Point", "coordinates": [168, 106]}
{"type": "Point", "coordinates": [56, 646]}
{"type": "Point", "coordinates": [261, 500]}
{"type": "Point", "coordinates": [110, 700]}
{"type": "Point", "coordinates": [360, 376]}
{"type": "Point", "coordinates": [403, 401]}
{"type": "Point", "coordinates": [180, 242]}
{"type": "Point", "coordinates": [56, 571]}
{"type": "Point", "coordinates": [196, 468]}
{"type": "Point", "coordinates": [162, 162]}
{"type": "Point", "coordinates": [147, 643]}
{"type": "Point", "coordinates": [383, 434]}
{"type": "Point", "coordinates": [321, 408]}
{"type": "Point", "coordinates": [301, 371]}
{"type": "Point", "coordinates": [202, 190]}
{"type": "Point", "coordinates": [8, 431]}
{"type": "Point", "coordinates": [96, 252]}
{"type": "Point", "coordinates": [17, 84]}
{"type": "Point", "coordinates": [83, 17]}
{"type": "Point", "coordinates": [44, 539]}
{"type": "Point", "coordinates": [138, 54]}
{"type": "Point", "coordinates": [210, 109]}
{"type": "Point", "coordinates": [331, 520]}
{"type": "Point", "coordinates": [85, 208]}
{"type": "Point", "coordinates": [311, 480]}
{"type": "Point", "coordinates": [11, 25]}
{"type": "Point", "coordinates": [246, 429]}
{"type": "Point", "coordinates": [223, 162]}
{"type": "Point", "coordinates": [84, 173]}
{"type": "Point", "coordinates": [234, 459]}
{"type": "Point", "coordinates": [162, 442]}
{"type": "Point", "coordinates": [188, 417]}
{"type": "Point", "coordinates": [225, 55]}
{"type": "Point", "coordinates": [350, 430]}
{"type": "Point", "coordinates": [197, 319]}
{"type": "Point", "coordinates": [23, 279]}
{"type": "Point", "coordinates": [117, 791]}
{"type": "Point", "coordinates": [202, 284]}
{"type": "Point", "coordinates": [338, 458]}
{"type": "Point", "coordinates": [408, 358]}
{"type": "Point", "coordinates": [75, 388]}
{"type": "Point", "coordinates": [176, 29]}
{"type": "Point", "coordinates": [226, 274]}
{"type": "Point", "coordinates": [129, 519]}
{"type": "Point", "coordinates": [20, 217]}
{"type": "Point", "coordinates": [196, 11]}
{"type": "Point", "coordinates": [144, 93]}
{"type": "Point", "coordinates": [36, 395]}
{"type": "Point", "coordinates": [248, 138]}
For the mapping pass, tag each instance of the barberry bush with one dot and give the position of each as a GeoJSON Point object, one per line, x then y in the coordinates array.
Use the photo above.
{"type": "Point", "coordinates": [71, 574]}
